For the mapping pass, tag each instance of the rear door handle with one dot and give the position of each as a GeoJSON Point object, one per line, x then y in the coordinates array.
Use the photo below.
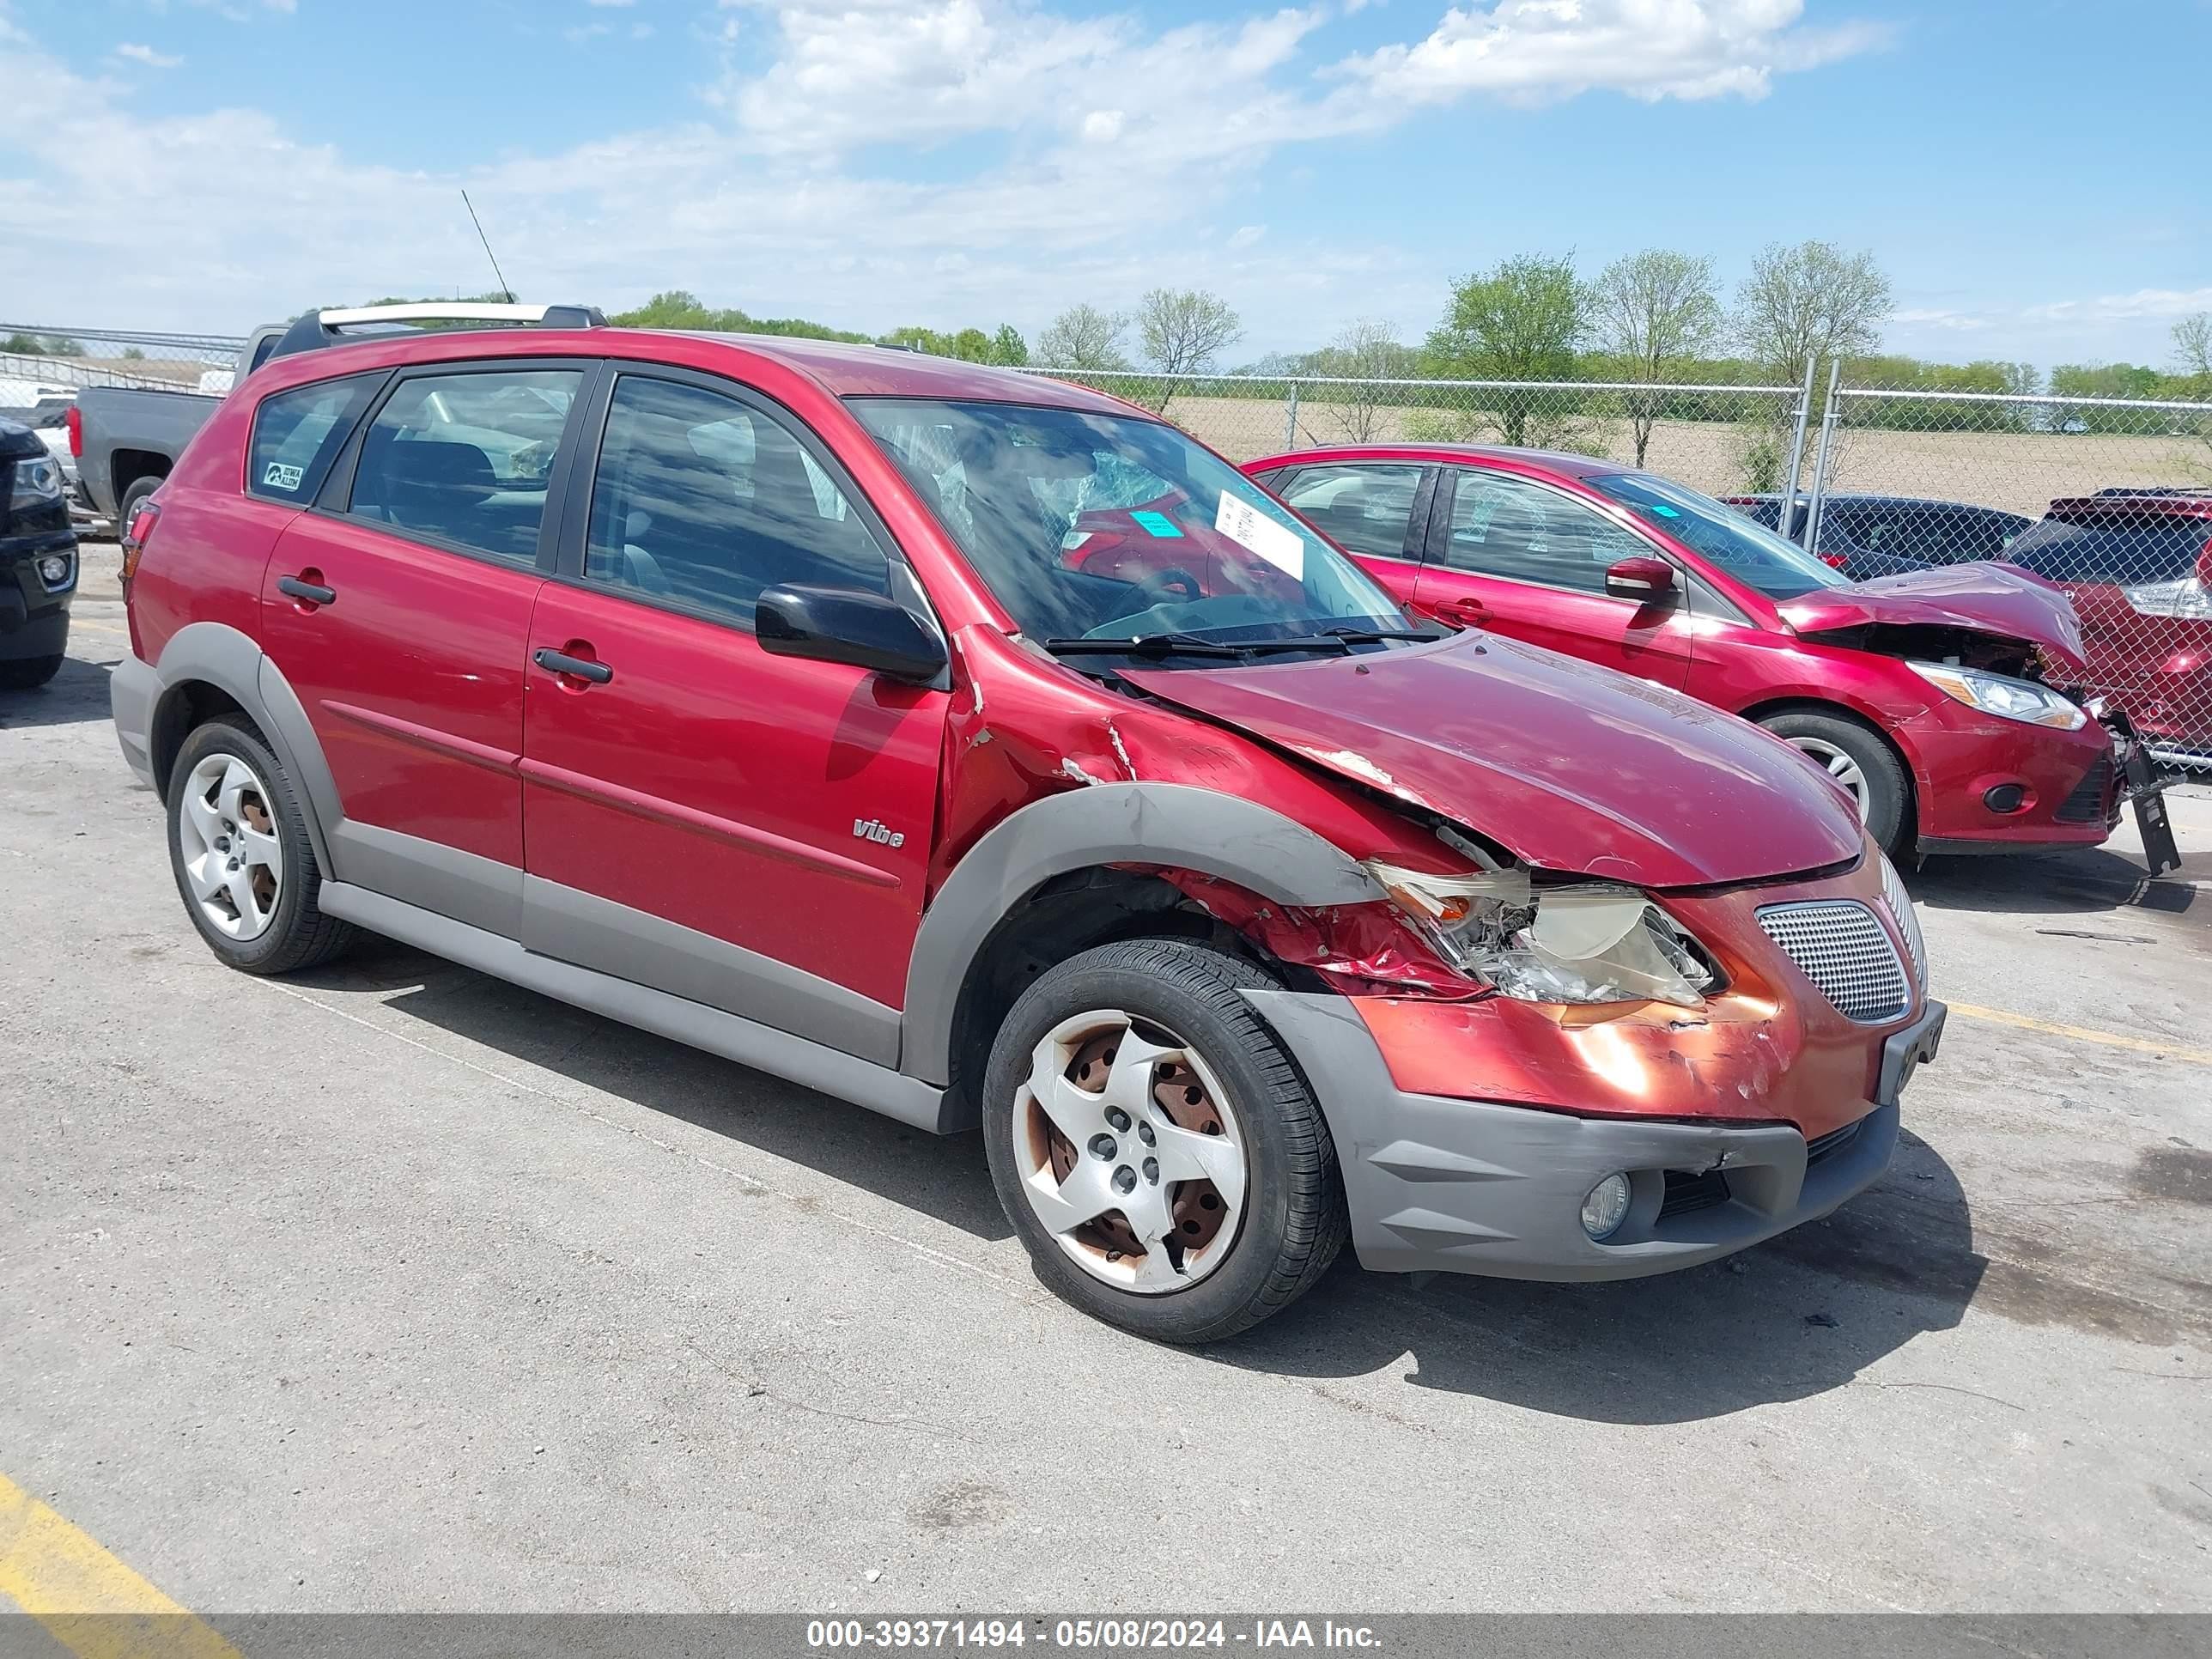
{"type": "Point", "coordinates": [310, 593]}
{"type": "Point", "coordinates": [1465, 611]}
{"type": "Point", "coordinates": [582, 668]}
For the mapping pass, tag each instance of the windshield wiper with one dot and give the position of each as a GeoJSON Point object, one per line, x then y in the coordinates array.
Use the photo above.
{"type": "Point", "coordinates": [1190, 645]}
{"type": "Point", "coordinates": [1376, 635]}
{"type": "Point", "coordinates": [1146, 645]}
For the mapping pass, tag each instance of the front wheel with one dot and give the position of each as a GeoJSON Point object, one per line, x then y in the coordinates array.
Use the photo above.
{"type": "Point", "coordinates": [1164, 1163]}
{"type": "Point", "coordinates": [1861, 762]}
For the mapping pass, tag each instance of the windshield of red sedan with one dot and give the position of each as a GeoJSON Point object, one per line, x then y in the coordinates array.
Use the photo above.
{"type": "Point", "coordinates": [1753, 554]}
{"type": "Point", "coordinates": [1101, 526]}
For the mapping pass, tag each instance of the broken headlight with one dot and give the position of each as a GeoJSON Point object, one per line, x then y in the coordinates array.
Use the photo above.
{"type": "Point", "coordinates": [1999, 694]}
{"type": "Point", "coordinates": [1583, 942]}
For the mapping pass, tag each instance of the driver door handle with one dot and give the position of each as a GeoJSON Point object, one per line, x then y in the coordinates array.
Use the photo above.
{"type": "Point", "coordinates": [311, 592]}
{"type": "Point", "coordinates": [582, 668]}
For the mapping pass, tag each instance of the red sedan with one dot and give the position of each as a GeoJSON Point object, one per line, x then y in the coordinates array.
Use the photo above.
{"type": "Point", "coordinates": [1921, 694]}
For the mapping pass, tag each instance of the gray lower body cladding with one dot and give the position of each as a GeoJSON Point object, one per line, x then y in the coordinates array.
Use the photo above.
{"type": "Point", "coordinates": [1476, 1187]}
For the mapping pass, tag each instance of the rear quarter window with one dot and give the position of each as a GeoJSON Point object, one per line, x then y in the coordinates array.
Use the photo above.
{"type": "Point", "coordinates": [298, 433]}
{"type": "Point", "coordinates": [2127, 548]}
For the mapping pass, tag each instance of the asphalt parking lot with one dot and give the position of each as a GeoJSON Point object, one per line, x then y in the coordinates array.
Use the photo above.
{"type": "Point", "coordinates": [391, 1287]}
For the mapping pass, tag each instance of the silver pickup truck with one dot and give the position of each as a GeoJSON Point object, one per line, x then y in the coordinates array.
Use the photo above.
{"type": "Point", "coordinates": [127, 438]}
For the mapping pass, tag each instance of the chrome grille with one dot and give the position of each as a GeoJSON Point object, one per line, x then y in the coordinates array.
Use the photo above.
{"type": "Point", "coordinates": [1840, 946]}
{"type": "Point", "coordinates": [1908, 923]}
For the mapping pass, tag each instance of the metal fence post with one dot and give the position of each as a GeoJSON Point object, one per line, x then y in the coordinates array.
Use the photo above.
{"type": "Point", "coordinates": [1291, 418]}
{"type": "Point", "coordinates": [1820, 462]}
{"type": "Point", "coordinates": [1786, 508]}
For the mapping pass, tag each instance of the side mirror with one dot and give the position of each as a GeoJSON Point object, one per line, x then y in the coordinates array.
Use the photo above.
{"type": "Point", "coordinates": [847, 625]}
{"type": "Point", "coordinates": [1645, 579]}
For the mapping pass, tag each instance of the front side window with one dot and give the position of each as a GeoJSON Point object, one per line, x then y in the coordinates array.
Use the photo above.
{"type": "Point", "coordinates": [465, 457]}
{"type": "Point", "coordinates": [1754, 557]}
{"type": "Point", "coordinates": [1503, 525]}
{"type": "Point", "coordinates": [1364, 509]}
{"type": "Point", "coordinates": [704, 500]}
{"type": "Point", "coordinates": [298, 433]}
{"type": "Point", "coordinates": [1096, 526]}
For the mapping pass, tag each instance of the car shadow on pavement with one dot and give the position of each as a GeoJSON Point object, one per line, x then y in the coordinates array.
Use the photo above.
{"type": "Point", "coordinates": [2083, 881]}
{"type": "Point", "coordinates": [1802, 1315]}
{"type": "Point", "coordinates": [76, 693]}
{"type": "Point", "coordinates": [943, 1177]}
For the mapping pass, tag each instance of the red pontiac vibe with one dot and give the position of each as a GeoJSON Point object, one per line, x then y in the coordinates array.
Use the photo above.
{"type": "Point", "coordinates": [1919, 693]}
{"type": "Point", "coordinates": [740, 690]}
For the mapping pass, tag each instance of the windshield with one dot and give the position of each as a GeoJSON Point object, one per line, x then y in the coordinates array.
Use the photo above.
{"type": "Point", "coordinates": [2124, 548]}
{"type": "Point", "coordinates": [1109, 527]}
{"type": "Point", "coordinates": [1755, 555]}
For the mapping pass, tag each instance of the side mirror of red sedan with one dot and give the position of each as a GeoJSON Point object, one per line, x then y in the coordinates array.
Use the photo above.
{"type": "Point", "coordinates": [1645, 579]}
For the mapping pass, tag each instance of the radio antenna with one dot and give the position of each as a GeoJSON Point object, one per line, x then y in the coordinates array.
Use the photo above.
{"type": "Point", "coordinates": [486, 240]}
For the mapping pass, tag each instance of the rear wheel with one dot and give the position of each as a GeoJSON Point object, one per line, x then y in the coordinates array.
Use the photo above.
{"type": "Point", "coordinates": [244, 864]}
{"type": "Point", "coordinates": [126, 506]}
{"type": "Point", "coordinates": [1164, 1164]}
{"type": "Point", "coordinates": [1861, 762]}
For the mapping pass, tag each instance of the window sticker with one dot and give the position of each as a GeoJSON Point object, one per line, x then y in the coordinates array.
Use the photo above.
{"type": "Point", "coordinates": [1158, 524]}
{"type": "Point", "coordinates": [1249, 528]}
{"type": "Point", "coordinates": [280, 476]}
{"type": "Point", "coordinates": [1665, 511]}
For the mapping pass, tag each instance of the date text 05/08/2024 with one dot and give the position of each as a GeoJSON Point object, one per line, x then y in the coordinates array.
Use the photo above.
{"type": "Point", "coordinates": [1086, 1634]}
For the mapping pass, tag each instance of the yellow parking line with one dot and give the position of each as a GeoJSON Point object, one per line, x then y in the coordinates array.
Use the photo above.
{"type": "Point", "coordinates": [2085, 1034]}
{"type": "Point", "coordinates": [89, 1601]}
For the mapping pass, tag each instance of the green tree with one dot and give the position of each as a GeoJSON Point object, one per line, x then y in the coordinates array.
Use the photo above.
{"type": "Point", "coordinates": [2192, 350]}
{"type": "Point", "coordinates": [1364, 352]}
{"type": "Point", "coordinates": [1523, 320]}
{"type": "Point", "coordinates": [1084, 338]}
{"type": "Point", "coordinates": [1008, 349]}
{"type": "Point", "coordinates": [1655, 314]}
{"type": "Point", "coordinates": [1815, 301]}
{"type": "Point", "coordinates": [1183, 332]}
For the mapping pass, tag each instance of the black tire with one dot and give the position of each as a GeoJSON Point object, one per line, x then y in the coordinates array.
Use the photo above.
{"type": "Point", "coordinates": [128, 504]}
{"type": "Point", "coordinates": [1889, 792]}
{"type": "Point", "coordinates": [1293, 1221]}
{"type": "Point", "coordinates": [28, 673]}
{"type": "Point", "coordinates": [298, 935]}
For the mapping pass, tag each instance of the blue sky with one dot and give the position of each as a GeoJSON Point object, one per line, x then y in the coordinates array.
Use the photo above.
{"type": "Point", "coordinates": [2030, 173]}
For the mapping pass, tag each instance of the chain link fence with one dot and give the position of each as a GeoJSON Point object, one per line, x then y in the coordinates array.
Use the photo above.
{"type": "Point", "coordinates": [2111, 498]}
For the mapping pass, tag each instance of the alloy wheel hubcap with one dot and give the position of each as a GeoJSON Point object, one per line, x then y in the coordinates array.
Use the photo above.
{"type": "Point", "coordinates": [1840, 767]}
{"type": "Point", "coordinates": [1128, 1153]}
{"type": "Point", "coordinates": [234, 862]}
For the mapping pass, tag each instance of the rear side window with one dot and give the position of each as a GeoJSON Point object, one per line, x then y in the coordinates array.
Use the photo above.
{"type": "Point", "coordinates": [1364, 509]}
{"type": "Point", "coordinates": [464, 459]}
{"type": "Point", "coordinates": [298, 433]}
{"type": "Point", "coordinates": [2126, 549]}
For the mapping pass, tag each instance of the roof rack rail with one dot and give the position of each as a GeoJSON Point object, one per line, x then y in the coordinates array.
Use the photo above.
{"type": "Point", "coordinates": [318, 329]}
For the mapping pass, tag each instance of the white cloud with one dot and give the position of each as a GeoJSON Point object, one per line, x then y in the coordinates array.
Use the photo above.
{"type": "Point", "coordinates": [1533, 50]}
{"type": "Point", "coordinates": [582, 31]}
{"type": "Point", "coordinates": [1930, 317]}
{"type": "Point", "coordinates": [610, 3]}
{"type": "Point", "coordinates": [766, 196]}
{"type": "Point", "coordinates": [2154, 303]}
{"type": "Point", "coordinates": [147, 55]}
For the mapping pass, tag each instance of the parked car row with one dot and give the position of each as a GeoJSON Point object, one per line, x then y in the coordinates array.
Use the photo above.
{"type": "Point", "coordinates": [985, 751]}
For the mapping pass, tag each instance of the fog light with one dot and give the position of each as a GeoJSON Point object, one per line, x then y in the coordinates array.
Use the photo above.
{"type": "Point", "coordinates": [54, 569]}
{"type": "Point", "coordinates": [1606, 1207]}
{"type": "Point", "coordinates": [2005, 797]}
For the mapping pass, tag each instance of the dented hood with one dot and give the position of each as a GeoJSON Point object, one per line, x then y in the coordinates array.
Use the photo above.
{"type": "Point", "coordinates": [1571, 766]}
{"type": "Point", "coordinates": [1989, 599]}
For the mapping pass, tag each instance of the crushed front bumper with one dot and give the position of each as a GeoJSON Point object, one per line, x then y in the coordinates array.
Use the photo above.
{"type": "Point", "coordinates": [1468, 1186]}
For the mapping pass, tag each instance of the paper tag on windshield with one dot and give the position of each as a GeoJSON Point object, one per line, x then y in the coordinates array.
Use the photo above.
{"type": "Point", "coordinates": [1250, 528]}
